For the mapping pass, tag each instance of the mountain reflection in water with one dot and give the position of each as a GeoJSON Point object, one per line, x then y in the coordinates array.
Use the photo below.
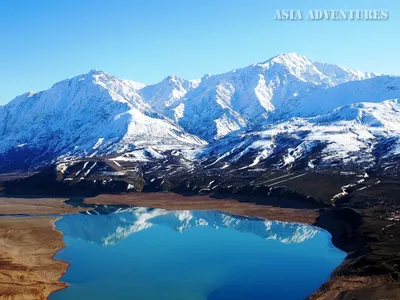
{"type": "Point", "coordinates": [145, 253]}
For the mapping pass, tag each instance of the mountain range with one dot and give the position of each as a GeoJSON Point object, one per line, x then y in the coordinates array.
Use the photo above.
{"type": "Point", "coordinates": [286, 112]}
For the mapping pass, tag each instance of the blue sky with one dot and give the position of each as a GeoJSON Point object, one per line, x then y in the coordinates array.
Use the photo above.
{"type": "Point", "coordinates": [46, 41]}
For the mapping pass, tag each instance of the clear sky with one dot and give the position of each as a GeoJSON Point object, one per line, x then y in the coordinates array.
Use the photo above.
{"type": "Point", "coordinates": [46, 41]}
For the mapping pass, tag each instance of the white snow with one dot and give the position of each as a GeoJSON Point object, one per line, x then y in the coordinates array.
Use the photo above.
{"type": "Point", "coordinates": [346, 113]}
{"type": "Point", "coordinates": [91, 114]}
{"type": "Point", "coordinates": [98, 143]}
{"type": "Point", "coordinates": [341, 137]}
{"type": "Point", "coordinates": [219, 104]}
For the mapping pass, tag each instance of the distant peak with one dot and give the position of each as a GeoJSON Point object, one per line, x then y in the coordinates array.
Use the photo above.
{"type": "Point", "coordinates": [206, 76]}
{"type": "Point", "coordinates": [31, 94]}
{"type": "Point", "coordinates": [289, 57]}
{"type": "Point", "coordinates": [96, 72]}
{"type": "Point", "coordinates": [173, 79]}
{"type": "Point", "coordinates": [98, 76]}
{"type": "Point", "coordinates": [93, 75]}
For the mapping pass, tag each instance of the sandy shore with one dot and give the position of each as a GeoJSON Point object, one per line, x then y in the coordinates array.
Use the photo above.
{"type": "Point", "coordinates": [35, 206]}
{"type": "Point", "coordinates": [27, 248]}
{"type": "Point", "coordinates": [27, 267]}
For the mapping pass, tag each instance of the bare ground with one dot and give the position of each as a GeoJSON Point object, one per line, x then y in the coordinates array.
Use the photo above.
{"type": "Point", "coordinates": [27, 248]}
{"type": "Point", "coordinates": [27, 267]}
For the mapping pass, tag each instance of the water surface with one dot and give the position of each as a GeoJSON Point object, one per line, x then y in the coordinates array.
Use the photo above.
{"type": "Point", "coordinates": [142, 253]}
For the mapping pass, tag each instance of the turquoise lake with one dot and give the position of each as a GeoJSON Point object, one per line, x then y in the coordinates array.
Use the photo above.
{"type": "Point", "coordinates": [144, 253]}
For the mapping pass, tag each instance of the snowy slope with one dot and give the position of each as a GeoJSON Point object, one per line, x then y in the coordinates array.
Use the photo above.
{"type": "Point", "coordinates": [279, 112]}
{"type": "Point", "coordinates": [352, 135]}
{"type": "Point", "coordinates": [220, 104]}
{"type": "Point", "coordinates": [163, 95]}
{"type": "Point", "coordinates": [91, 114]}
{"type": "Point", "coordinates": [338, 74]}
{"type": "Point", "coordinates": [373, 90]}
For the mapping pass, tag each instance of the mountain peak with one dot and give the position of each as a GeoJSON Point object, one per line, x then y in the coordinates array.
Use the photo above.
{"type": "Point", "coordinates": [95, 72]}
{"type": "Point", "coordinates": [93, 76]}
{"type": "Point", "coordinates": [289, 55]}
{"type": "Point", "coordinates": [173, 79]}
{"type": "Point", "coordinates": [290, 58]}
{"type": "Point", "coordinates": [296, 64]}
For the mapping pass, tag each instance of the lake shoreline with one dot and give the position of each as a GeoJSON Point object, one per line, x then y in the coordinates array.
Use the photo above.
{"type": "Point", "coordinates": [338, 286]}
{"type": "Point", "coordinates": [28, 266]}
{"type": "Point", "coordinates": [366, 237]}
{"type": "Point", "coordinates": [28, 245]}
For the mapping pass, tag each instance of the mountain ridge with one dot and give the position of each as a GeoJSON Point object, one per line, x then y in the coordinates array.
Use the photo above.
{"type": "Point", "coordinates": [230, 101]}
{"type": "Point", "coordinates": [97, 114]}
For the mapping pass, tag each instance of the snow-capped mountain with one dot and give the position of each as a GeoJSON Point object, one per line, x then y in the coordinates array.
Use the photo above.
{"type": "Point", "coordinates": [355, 135]}
{"type": "Point", "coordinates": [220, 104]}
{"type": "Point", "coordinates": [163, 95]}
{"type": "Point", "coordinates": [373, 90]}
{"type": "Point", "coordinates": [91, 114]}
{"type": "Point", "coordinates": [280, 112]}
{"type": "Point", "coordinates": [338, 74]}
